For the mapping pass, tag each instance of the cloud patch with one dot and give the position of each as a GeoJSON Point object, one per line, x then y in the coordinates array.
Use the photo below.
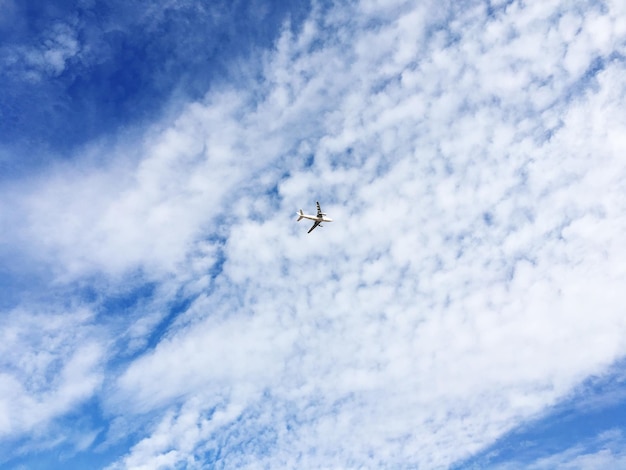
{"type": "Point", "coordinates": [51, 363]}
{"type": "Point", "coordinates": [471, 280]}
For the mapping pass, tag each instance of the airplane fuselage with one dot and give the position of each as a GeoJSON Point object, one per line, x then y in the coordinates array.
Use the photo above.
{"type": "Point", "coordinates": [316, 218]}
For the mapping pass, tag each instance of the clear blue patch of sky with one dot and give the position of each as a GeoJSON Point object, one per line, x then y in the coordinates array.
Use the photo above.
{"type": "Point", "coordinates": [16, 285]}
{"type": "Point", "coordinates": [132, 58]}
{"type": "Point", "coordinates": [49, 460]}
{"type": "Point", "coordinates": [598, 407]}
{"type": "Point", "coordinates": [122, 301]}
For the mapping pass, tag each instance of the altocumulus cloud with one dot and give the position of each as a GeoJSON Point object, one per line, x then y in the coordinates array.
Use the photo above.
{"type": "Point", "coordinates": [471, 157]}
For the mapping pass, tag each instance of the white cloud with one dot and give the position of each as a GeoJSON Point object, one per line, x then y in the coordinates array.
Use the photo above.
{"type": "Point", "coordinates": [422, 332]}
{"type": "Point", "coordinates": [472, 276]}
{"type": "Point", "coordinates": [121, 216]}
{"type": "Point", "coordinates": [46, 59]}
{"type": "Point", "coordinates": [51, 362]}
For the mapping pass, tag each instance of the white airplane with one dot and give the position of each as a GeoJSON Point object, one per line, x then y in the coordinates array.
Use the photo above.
{"type": "Point", "coordinates": [319, 218]}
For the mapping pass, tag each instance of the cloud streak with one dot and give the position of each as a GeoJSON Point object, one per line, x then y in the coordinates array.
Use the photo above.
{"type": "Point", "coordinates": [52, 363]}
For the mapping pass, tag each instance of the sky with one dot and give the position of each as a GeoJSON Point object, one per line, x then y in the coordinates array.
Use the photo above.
{"type": "Point", "coordinates": [160, 307]}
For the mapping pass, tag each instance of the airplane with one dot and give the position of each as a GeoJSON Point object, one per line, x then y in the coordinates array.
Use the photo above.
{"type": "Point", "coordinates": [319, 218]}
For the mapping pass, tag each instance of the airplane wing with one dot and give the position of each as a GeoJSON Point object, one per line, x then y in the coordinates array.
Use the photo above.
{"type": "Point", "coordinates": [319, 210]}
{"type": "Point", "coordinates": [317, 222]}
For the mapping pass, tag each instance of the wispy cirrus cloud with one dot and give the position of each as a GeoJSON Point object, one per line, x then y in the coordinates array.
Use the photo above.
{"type": "Point", "coordinates": [603, 451]}
{"type": "Point", "coordinates": [52, 362]}
{"type": "Point", "coordinates": [44, 60]}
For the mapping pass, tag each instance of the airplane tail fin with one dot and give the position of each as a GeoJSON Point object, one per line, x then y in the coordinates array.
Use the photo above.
{"type": "Point", "coordinates": [301, 214]}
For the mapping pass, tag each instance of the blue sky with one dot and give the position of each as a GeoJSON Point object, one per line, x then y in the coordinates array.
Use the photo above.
{"type": "Point", "coordinates": [160, 306]}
